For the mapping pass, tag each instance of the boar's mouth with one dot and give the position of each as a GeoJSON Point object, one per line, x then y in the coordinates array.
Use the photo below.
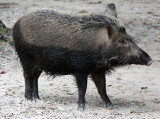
{"type": "Point", "coordinates": [142, 60]}
{"type": "Point", "coordinates": [148, 61]}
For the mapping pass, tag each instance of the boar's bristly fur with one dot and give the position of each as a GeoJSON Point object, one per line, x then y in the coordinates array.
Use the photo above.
{"type": "Point", "coordinates": [61, 44]}
{"type": "Point", "coordinates": [66, 34]}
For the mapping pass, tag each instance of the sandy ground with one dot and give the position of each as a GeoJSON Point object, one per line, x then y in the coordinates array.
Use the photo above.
{"type": "Point", "coordinates": [134, 90]}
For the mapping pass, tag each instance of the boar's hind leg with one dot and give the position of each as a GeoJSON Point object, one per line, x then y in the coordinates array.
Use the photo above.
{"type": "Point", "coordinates": [81, 80]}
{"type": "Point", "coordinates": [99, 80]}
{"type": "Point", "coordinates": [31, 74]}
{"type": "Point", "coordinates": [31, 83]}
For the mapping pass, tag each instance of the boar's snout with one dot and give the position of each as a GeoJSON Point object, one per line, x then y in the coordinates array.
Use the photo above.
{"type": "Point", "coordinates": [145, 59]}
{"type": "Point", "coordinates": [138, 56]}
{"type": "Point", "coordinates": [142, 58]}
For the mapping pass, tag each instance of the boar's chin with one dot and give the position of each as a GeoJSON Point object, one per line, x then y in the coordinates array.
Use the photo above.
{"type": "Point", "coordinates": [141, 60]}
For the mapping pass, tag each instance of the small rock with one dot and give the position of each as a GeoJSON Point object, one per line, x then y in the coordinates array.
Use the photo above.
{"type": "Point", "coordinates": [60, 108]}
{"type": "Point", "coordinates": [95, 2]}
{"type": "Point", "coordinates": [136, 9]}
{"type": "Point", "coordinates": [119, 78]}
{"type": "Point", "coordinates": [149, 12]}
{"type": "Point", "coordinates": [83, 11]}
{"type": "Point", "coordinates": [95, 113]}
{"type": "Point", "coordinates": [144, 87]}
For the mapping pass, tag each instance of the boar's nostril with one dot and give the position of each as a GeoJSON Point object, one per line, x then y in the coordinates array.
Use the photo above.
{"type": "Point", "coordinates": [150, 62]}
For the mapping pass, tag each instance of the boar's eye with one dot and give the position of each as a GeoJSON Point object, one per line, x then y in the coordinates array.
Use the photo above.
{"type": "Point", "coordinates": [123, 42]}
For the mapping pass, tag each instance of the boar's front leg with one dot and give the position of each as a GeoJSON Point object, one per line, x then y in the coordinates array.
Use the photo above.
{"type": "Point", "coordinates": [81, 80]}
{"type": "Point", "coordinates": [100, 82]}
{"type": "Point", "coordinates": [31, 83]}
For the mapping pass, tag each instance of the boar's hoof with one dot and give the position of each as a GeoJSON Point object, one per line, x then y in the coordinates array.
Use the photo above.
{"type": "Point", "coordinates": [36, 97]}
{"type": "Point", "coordinates": [28, 96]}
{"type": "Point", "coordinates": [81, 107]}
{"type": "Point", "coordinates": [32, 97]}
{"type": "Point", "coordinates": [109, 106]}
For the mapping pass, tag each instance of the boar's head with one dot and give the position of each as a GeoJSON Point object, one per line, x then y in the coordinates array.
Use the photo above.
{"type": "Point", "coordinates": [123, 50]}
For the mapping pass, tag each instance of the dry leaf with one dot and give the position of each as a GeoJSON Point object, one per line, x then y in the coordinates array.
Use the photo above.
{"type": "Point", "coordinates": [95, 2]}
{"type": "Point", "coordinates": [3, 72]}
{"type": "Point", "coordinates": [109, 85]}
{"type": "Point", "coordinates": [119, 78]}
{"type": "Point", "coordinates": [83, 11]}
{"type": "Point", "coordinates": [144, 87]}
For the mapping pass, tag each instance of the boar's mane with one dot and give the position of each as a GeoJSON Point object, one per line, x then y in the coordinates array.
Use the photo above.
{"type": "Point", "coordinates": [62, 28]}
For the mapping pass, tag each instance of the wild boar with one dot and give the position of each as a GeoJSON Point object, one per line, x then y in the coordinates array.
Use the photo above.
{"type": "Point", "coordinates": [61, 44]}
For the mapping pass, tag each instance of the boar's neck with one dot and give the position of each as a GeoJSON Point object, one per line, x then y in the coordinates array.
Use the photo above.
{"type": "Point", "coordinates": [105, 58]}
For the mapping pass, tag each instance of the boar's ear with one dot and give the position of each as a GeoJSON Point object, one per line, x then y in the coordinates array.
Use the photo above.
{"type": "Point", "coordinates": [110, 31]}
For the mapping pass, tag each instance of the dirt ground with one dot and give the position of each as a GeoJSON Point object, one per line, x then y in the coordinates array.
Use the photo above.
{"type": "Point", "coordinates": [134, 90]}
